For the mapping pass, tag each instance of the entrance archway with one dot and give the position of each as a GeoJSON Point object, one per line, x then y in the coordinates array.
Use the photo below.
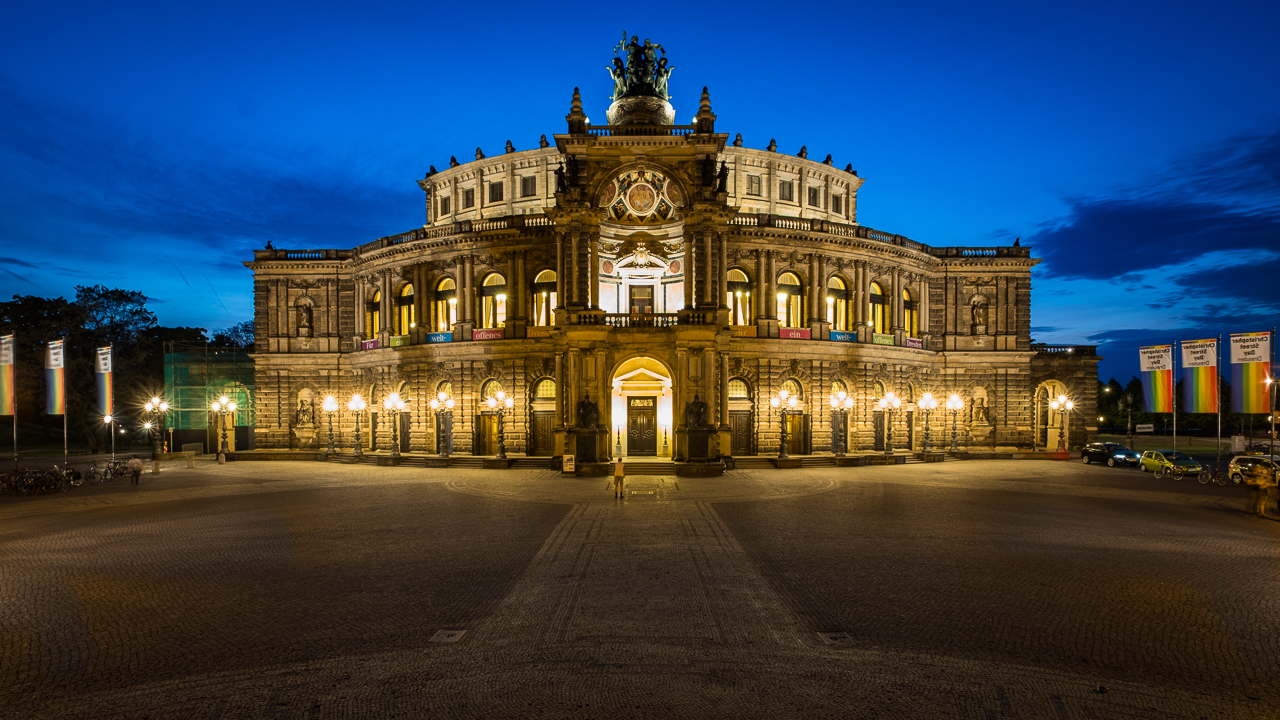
{"type": "Point", "coordinates": [642, 408]}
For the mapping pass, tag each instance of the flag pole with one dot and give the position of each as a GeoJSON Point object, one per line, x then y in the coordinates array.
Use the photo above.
{"type": "Point", "coordinates": [1217, 393]}
{"type": "Point", "coordinates": [1173, 406]}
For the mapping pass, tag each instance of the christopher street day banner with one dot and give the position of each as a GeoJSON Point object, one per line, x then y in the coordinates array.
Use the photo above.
{"type": "Point", "coordinates": [1250, 368]}
{"type": "Point", "coordinates": [1200, 375]}
{"type": "Point", "coordinates": [1156, 363]}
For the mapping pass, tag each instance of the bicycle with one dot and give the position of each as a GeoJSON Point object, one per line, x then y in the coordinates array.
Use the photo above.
{"type": "Point", "coordinates": [1212, 475]}
{"type": "Point", "coordinates": [1177, 471]}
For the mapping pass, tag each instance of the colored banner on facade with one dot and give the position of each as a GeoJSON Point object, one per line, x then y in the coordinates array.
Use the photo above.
{"type": "Point", "coordinates": [7, 401]}
{"type": "Point", "coordinates": [844, 336]}
{"type": "Point", "coordinates": [1250, 368]}
{"type": "Point", "coordinates": [536, 331]}
{"type": "Point", "coordinates": [56, 403]}
{"type": "Point", "coordinates": [1156, 364]}
{"type": "Point", "coordinates": [1200, 376]}
{"type": "Point", "coordinates": [399, 340]}
{"type": "Point", "coordinates": [106, 404]}
{"type": "Point", "coordinates": [743, 331]}
{"type": "Point", "coordinates": [916, 343]}
{"type": "Point", "coordinates": [368, 344]}
{"type": "Point", "coordinates": [793, 333]}
{"type": "Point", "coordinates": [881, 339]}
{"type": "Point", "coordinates": [491, 334]}
{"type": "Point", "coordinates": [439, 337]}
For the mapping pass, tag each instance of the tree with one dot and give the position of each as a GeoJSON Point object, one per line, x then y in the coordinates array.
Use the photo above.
{"type": "Point", "coordinates": [239, 335]}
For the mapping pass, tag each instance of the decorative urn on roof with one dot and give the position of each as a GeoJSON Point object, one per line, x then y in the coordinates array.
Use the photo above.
{"type": "Point", "coordinates": [640, 73]}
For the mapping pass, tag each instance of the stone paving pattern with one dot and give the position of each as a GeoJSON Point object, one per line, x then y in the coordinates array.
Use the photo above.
{"type": "Point", "coordinates": [965, 589]}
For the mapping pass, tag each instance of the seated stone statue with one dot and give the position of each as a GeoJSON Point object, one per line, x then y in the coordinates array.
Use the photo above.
{"type": "Point", "coordinates": [695, 413]}
{"type": "Point", "coordinates": [304, 416]}
{"type": "Point", "coordinates": [588, 414]}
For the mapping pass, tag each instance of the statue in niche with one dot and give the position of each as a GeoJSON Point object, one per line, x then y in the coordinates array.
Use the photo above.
{"type": "Point", "coordinates": [979, 313]}
{"type": "Point", "coordinates": [304, 321]}
{"type": "Point", "coordinates": [695, 413]}
{"type": "Point", "coordinates": [305, 414]}
{"type": "Point", "coordinates": [588, 414]}
{"type": "Point", "coordinates": [722, 178]}
{"type": "Point", "coordinates": [981, 415]}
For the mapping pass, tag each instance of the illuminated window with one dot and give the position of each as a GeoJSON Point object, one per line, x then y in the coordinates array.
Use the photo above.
{"type": "Point", "coordinates": [739, 300]}
{"type": "Point", "coordinates": [544, 298]}
{"type": "Point", "coordinates": [528, 186]}
{"type": "Point", "coordinates": [405, 320]}
{"type": "Point", "coordinates": [445, 387]}
{"type": "Point", "coordinates": [446, 306]}
{"type": "Point", "coordinates": [489, 389]}
{"type": "Point", "coordinates": [493, 298]}
{"type": "Point", "coordinates": [738, 388]}
{"type": "Point", "coordinates": [753, 184]}
{"type": "Point", "coordinates": [879, 310]}
{"type": "Point", "coordinates": [468, 198]}
{"type": "Point", "coordinates": [546, 388]}
{"type": "Point", "coordinates": [838, 386]}
{"type": "Point", "coordinates": [789, 300]}
{"type": "Point", "coordinates": [910, 314]}
{"type": "Point", "coordinates": [495, 192]}
{"type": "Point", "coordinates": [838, 305]}
{"type": "Point", "coordinates": [793, 388]}
{"type": "Point", "coordinates": [786, 190]}
{"type": "Point", "coordinates": [373, 315]}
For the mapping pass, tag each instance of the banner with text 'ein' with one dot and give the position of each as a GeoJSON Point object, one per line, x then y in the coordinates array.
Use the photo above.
{"type": "Point", "coordinates": [1156, 363]}
{"type": "Point", "coordinates": [1250, 368]}
{"type": "Point", "coordinates": [1200, 376]}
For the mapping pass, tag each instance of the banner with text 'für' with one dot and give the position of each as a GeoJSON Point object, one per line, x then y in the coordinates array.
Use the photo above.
{"type": "Point", "coordinates": [6, 376]}
{"type": "Point", "coordinates": [1200, 375]}
{"type": "Point", "coordinates": [106, 404]}
{"type": "Point", "coordinates": [1250, 368]}
{"type": "Point", "coordinates": [56, 404]}
{"type": "Point", "coordinates": [1156, 363]}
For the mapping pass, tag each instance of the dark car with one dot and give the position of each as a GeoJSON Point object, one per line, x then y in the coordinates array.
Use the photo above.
{"type": "Point", "coordinates": [1252, 468]}
{"type": "Point", "coordinates": [1112, 454]}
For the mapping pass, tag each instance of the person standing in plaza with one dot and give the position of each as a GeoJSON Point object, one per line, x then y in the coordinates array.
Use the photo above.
{"type": "Point", "coordinates": [135, 470]}
{"type": "Point", "coordinates": [619, 479]}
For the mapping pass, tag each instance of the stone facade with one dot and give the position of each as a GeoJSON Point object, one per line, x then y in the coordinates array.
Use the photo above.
{"type": "Point", "coordinates": [625, 265]}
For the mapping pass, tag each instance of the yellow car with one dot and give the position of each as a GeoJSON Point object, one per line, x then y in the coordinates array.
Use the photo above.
{"type": "Point", "coordinates": [1170, 462]}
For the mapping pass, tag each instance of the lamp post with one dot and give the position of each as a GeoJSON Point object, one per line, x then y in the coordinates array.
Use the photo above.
{"type": "Point", "coordinates": [1271, 406]}
{"type": "Point", "coordinates": [1126, 404]}
{"type": "Point", "coordinates": [501, 403]}
{"type": "Point", "coordinates": [955, 404]}
{"type": "Point", "coordinates": [928, 404]}
{"type": "Point", "coordinates": [394, 405]}
{"type": "Point", "coordinates": [784, 402]}
{"type": "Point", "coordinates": [330, 406]}
{"type": "Point", "coordinates": [443, 407]}
{"type": "Point", "coordinates": [110, 423]}
{"type": "Point", "coordinates": [1061, 405]}
{"type": "Point", "coordinates": [155, 409]}
{"type": "Point", "coordinates": [841, 403]}
{"type": "Point", "coordinates": [223, 407]}
{"type": "Point", "coordinates": [357, 405]}
{"type": "Point", "coordinates": [888, 404]}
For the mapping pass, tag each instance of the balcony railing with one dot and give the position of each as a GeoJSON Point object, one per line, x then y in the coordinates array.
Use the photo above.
{"type": "Point", "coordinates": [619, 130]}
{"type": "Point", "coordinates": [641, 320]}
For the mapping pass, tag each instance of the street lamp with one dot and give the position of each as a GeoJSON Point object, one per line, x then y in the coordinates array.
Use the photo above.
{"type": "Point", "coordinates": [502, 404]}
{"type": "Point", "coordinates": [955, 404]}
{"type": "Point", "coordinates": [928, 404]}
{"type": "Point", "coordinates": [443, 407]}
{"type": "Point", "coordinates": [156, 408]}
{"type": "Point", "coordinates": [784, 402]}
{"type": "Point", "coordinates": [1271, 388]}
{"type": "Point", "coordinates": [110, 423]}
{"type": "Point", "coordinates": [330, 406]}
{"type": "Point", "coordinates": [394, 404]}
{"type": "Point", "coordinates": [223, 407]}
{"type": "Point", "coordinates": [888, 404]}
{"type": "Point", "coordinates": [357, 406]}
{"type": "Point", "coordinates": [841, 403]}
{"type": "Point", "coordinates": [1061, 405]}
{"type": "Point", "coordinates": [1126, 404]}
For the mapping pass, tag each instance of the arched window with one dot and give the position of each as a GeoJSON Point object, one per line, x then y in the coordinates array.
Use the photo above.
{"type": "Point", "coordinates": [489, 389]}
{"type": "Point", "coordinates": [404, 311]}
{"type": "Point", "coordinates": [544, 298]}
{"type": "Point", "coordinates": [446, 388]}
{"type": "Point", "coordinates": [738, 388]}
{"type": "Point", "coordinates": [838, 386]}
{"type": "Point", "coordinates": [879, 310]}
{"type": "Point", "coordinates": [446, 306]}
{"type": "Point", "coordinates": [373, 315]}
{"type": "Point", "coordinates": [793, 388]}
{"type": "Point", "coordinates": [545, 389]}
{"type": "Point", "coordinates": [838, 305]}
{"type": "Point", "coordinates": [910, 314]}
{"type": "Point", "coordinates": [790, 306]}
{"type": "Point", "coordinates": [739, 299]}
{"type": "Point", "coordinates": [877, 391]}
{"type": "Point", "coordinates": [493, 299]}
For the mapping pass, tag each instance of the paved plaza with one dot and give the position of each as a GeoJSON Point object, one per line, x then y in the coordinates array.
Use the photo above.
{"type": "Point", "coordinates": [981, 589]}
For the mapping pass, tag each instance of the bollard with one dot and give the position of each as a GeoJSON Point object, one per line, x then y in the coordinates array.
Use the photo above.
{"type": "Point", "coordinates": [155, 467]}
{"type": "Point", "coordinates": [191, 461]}
{"type": "Point", "coordinates": [222, 459]}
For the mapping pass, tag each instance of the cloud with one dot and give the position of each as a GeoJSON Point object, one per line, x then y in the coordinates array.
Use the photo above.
{"type": "Point", "coordinates": [19, 263]}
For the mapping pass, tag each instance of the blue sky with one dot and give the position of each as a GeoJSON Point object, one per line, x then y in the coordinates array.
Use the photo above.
{"type": "Point", "coordinates": [1135, 146]}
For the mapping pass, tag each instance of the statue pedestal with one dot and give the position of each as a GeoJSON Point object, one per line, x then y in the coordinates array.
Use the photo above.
{"type": "Point", "coordinates": [585, 445]}
{"type": "Point", "coordinates": [698, 444]}
{"type": "Point", "coordinates": [305, 436]}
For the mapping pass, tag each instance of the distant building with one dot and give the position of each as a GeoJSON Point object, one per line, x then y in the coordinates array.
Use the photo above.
{"type": "Point", "coordinates": [637, 266]}
{"type": "Point", "coordinates": [196, 374]}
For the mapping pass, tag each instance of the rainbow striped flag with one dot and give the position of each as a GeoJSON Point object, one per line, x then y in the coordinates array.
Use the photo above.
{"type": "Point", "coordinates": [53, 371]}
{"type": "Point", "coordinates": [1156, 363]}
{"type": "Point", "coordinates": [1200, 375]}
{"type": "Point", "coordinates": [106, 404]}
{"type": "Point", "coordinates": [1250, 368]}
{"type": "Point", "coordinates": [6, 376]}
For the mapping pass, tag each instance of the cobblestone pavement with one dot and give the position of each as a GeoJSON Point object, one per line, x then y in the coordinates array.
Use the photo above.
{"type": "Point", "coordinates": [309, 590]}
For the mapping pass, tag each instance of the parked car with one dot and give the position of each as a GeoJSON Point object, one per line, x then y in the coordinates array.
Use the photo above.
{"type": "Point", "coordinates": [1244, 468]}
{"type": "Point", "coordinates": [1112, 454]}
{"type": "Point", "coordinates": [1153, 459]}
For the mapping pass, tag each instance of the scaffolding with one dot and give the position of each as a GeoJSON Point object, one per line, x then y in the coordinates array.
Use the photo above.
{"type": "Point", "coordinates": [196, 374]}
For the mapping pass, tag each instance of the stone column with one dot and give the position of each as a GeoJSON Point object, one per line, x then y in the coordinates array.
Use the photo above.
{"type": "Point", "coordinates": [820, 288]}
{"type": "Point", "coordinates": [895, 304]}
{"type": "Point", "coordinates": [811, 297]}
{"type": "Point", "coordinates": [593, 292]}
{"type": "Point", "coordinates": [559, 369]}
{"type": "Point", "coordinates": [360, 291]}
{"type": "Point", "coordinates": [723, 302]}
{"type": "Point", "coordinates": [688, 270]}
{"type": "Point", "coordinates": [758, 295]}
{"type": "Point", "coordinates": [560, 301]}
{"type": "Point", "coordinates": [705, 283]}
{"type": "Point", "coordinates": [859, 292]}
{"type": "Point", "coordinates": [724, 388]}
{"type": "Point", "coordinates": [924, 307]}
{"type": "Point", "coordinates": [770, 301]}
{"type": "Point", "coordinates": [572, 266]}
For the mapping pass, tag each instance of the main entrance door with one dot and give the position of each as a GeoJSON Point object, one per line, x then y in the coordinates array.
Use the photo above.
{"type": "Point", "coordinates": [642, 425]}
{"type": "Point", "coordinates": [485, 440]}
{"type": "Point", "coordinates": [877, 424]}
{"type": "Point", "coordinates": [798, 434]}
{"type": "Point", "coordinates": [740, 433]}
{"type": "Point", "coordinates": [541, 439]}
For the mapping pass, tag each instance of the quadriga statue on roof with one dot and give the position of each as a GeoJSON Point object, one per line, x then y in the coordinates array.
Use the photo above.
{"type": "Point", "coordinates": [643, 73]}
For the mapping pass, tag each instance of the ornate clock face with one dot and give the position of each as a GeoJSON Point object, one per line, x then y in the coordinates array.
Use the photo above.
{"type": "Point", "coordinates": [639, 197]}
